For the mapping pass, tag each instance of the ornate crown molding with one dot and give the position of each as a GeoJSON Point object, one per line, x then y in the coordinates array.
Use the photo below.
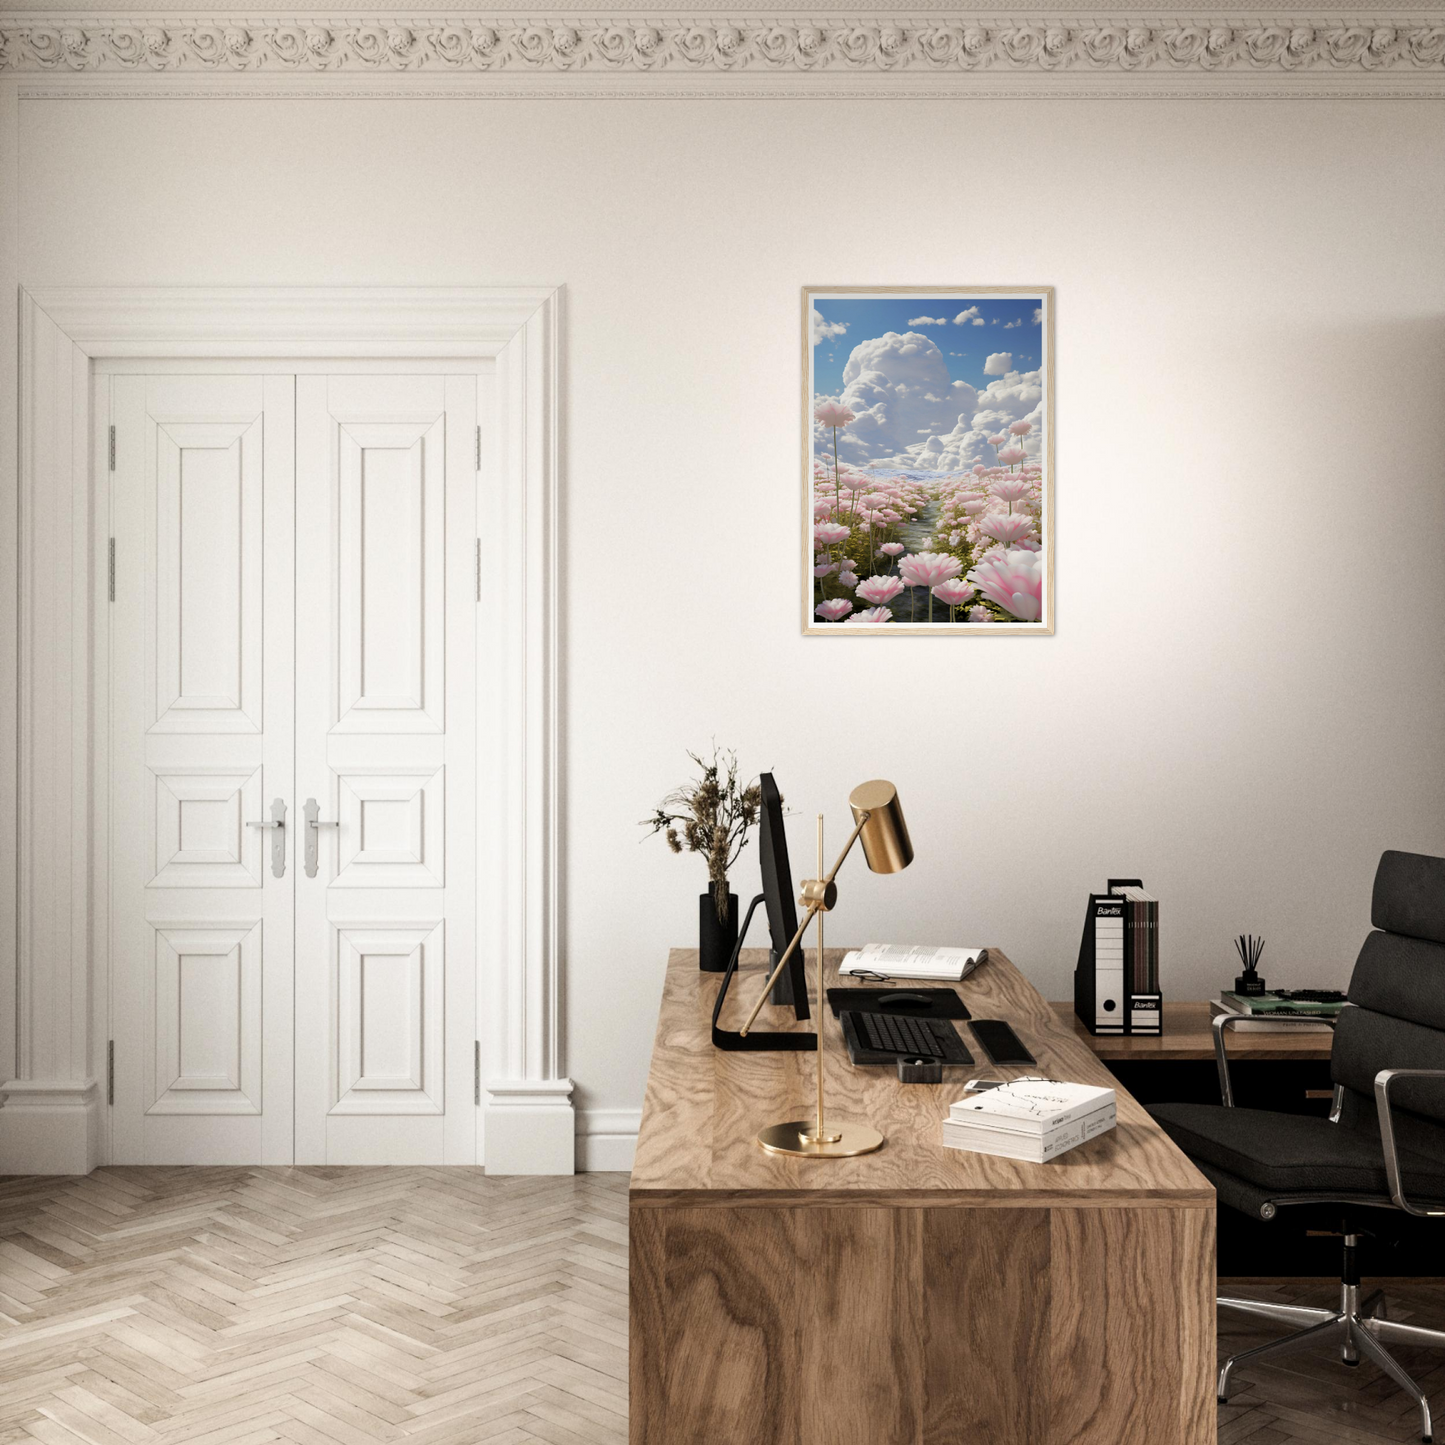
{"type": "Point", "coordinates": [882, 45]}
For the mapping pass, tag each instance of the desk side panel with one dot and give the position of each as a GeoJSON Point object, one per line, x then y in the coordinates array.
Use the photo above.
{"type": "Point", "coordinates": [1132, 1326]}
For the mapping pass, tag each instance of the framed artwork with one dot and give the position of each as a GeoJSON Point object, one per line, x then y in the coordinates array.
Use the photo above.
{"type": "Point", "coordinates": [928, 460]}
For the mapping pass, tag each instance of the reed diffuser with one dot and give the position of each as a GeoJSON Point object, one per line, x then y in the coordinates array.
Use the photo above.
{"type": "Point", "coordinates": [1249, 948]}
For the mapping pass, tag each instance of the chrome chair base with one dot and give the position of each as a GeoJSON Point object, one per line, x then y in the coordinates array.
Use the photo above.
{"type": "Point", "coordinates": [1359, 1327]}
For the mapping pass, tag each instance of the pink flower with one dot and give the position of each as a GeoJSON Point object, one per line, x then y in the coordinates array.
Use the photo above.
{"type": "Point", "coordinates": [871, 615]}
{"type": "Point", "coordinates": [834, 609]}
{"type": "Point", "coordinates": [954, 593]}
{"type": "Point", "coordinates": [997, 441]}
{"type": "Point", "coordinates": [1006, 527]}
{"type": "Point", "coordinates": [1014, 579]}
{"type": "Point", "coordinates": [1022, 428]}
{"type": "Point", "coordinates": [825, 569]}
{"type": "Point", "coordinates": [880, 589]}
{"type": "Point", "coordinates": [978, 467]}
{"type": "Point", "coordinates": [832, 413]}
{"type": "Point", "coordinates": [848, 579]}
{"type": "Point", "coordinates": [1011, 455]}
{"type": "Point", "coordinates": [1006, 489]}
{"type": "Point", "coordinates": [893, 548]}
{"type": "Point", "coordinates": [979, 614]}
{"type": "Point", "coordinates": [927, 569]}
{"type": "Point", "coordinates": [829, 534]}
{"type": "Point", "coordinates": [974, 507]}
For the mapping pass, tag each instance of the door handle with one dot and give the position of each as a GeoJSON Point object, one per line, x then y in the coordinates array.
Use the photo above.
{"type": "Point", "coordinates": [278, 840]}
{"type": "Point", "coordinates": [314, 825]}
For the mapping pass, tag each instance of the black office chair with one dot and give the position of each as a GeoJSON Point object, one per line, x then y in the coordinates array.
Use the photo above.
{"type": "Point", "coordinates": [1383, 1146]}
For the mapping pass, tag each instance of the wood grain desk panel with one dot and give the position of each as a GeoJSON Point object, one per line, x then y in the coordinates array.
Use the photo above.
{"type": "Point", "coordinates": [1188, 1036]}
{"type": "Point", "coordinates": [918, 1295]}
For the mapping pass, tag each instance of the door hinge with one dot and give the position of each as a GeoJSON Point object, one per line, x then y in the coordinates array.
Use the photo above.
{"type": "Point", "coordinates": [110, 1072]}
{"type": "Point", "coordinates": [477, 1072]}
{"type": "Point", "coordinates": [479, 569]}
{"type": "Point", "coordinates": [112, 448]}
{"type": "Point", "coordinates": [479, 446]}
{"type": "Point", "coordinates": [110, 569]}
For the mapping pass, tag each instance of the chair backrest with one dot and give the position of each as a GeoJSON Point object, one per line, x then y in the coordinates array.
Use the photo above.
{"type": "Point", "coordinates": [1398, 993]}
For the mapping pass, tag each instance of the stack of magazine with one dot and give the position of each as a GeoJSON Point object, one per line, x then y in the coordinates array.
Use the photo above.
{"type": "Point", "coordinates": [1271, 1012]}
{"type": "Point", "coordinates": [1031, 1119]}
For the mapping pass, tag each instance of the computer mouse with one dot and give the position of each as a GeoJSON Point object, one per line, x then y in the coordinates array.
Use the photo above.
{"type": "Point", "coordinates": [903, 999]}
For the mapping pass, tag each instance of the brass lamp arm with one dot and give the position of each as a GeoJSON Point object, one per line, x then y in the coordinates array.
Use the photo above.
{"type": "Point", "coordinates": [817, 905]}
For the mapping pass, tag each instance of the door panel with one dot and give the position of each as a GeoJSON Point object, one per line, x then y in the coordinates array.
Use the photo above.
{"type": "Point", "coordinates": [385, 673]}
{"type": "Point", "coordinates": [202, 742]}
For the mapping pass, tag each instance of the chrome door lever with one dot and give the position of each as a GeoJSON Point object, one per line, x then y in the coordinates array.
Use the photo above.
{"type": "Point", "coordinates": [314, 825]}
{"type": "Point", "coordinates": [278, 841]}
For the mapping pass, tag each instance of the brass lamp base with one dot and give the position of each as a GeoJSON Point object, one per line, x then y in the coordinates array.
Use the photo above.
{"type": "Point", "coordinates": [843, 1141]}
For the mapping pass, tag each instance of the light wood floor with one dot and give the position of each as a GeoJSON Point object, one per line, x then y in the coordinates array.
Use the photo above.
{"type": "Point", "coordinates": [320, 1306]}
{"type": "Point", "coordinates": [429, 1306]}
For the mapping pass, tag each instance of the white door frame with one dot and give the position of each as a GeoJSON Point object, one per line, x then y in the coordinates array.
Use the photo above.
{"type": "Point", "coordinates": [54, 988]}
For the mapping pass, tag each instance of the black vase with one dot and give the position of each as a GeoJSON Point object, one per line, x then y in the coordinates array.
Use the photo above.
{"type": "Point", "coordinates": [716, 941]}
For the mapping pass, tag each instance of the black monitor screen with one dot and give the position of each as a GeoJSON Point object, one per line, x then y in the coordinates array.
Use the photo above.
{"type": "Point", "coordinates": [778, 894]}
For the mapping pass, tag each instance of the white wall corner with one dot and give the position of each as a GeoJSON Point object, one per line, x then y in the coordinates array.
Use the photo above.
{"type": "Point", "coordinates": [607, 1139]}
{"type": "Point", "coordinates": [530, 1127]}
{"type": "Point", "coordinates": [49, 1126]}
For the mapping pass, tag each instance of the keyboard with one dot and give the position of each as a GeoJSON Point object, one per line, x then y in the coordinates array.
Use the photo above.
{"type": "Point", "coordinates": [886, 1037]}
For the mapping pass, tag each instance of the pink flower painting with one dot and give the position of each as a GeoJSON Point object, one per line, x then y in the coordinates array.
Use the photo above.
{"type": "Point", "coordinates": [928, 497]}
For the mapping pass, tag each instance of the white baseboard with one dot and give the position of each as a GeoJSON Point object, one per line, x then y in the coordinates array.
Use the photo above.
{"type": "Point", "coordinates": [607, 1139]}
{"type": "Point", "coordinates": [49, 1126]}
{"type": "Point", "coordinates": [530, 1127]}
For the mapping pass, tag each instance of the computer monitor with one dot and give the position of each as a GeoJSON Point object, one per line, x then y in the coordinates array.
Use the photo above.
{"type": "Point", "coordinates": [791, 987]}
{"type": "Point", "coordinates": [777, 897]}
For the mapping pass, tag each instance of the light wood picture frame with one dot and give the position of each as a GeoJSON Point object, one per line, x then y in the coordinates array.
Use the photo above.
{"type": "Point", "coordinates": [928, 460]}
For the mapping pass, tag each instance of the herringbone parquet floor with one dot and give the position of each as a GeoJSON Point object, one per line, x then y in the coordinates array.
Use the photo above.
{"type": "Point", "coordinates": [429, 1307]}
{"type": "Point", "coordinates": [317, 1306]}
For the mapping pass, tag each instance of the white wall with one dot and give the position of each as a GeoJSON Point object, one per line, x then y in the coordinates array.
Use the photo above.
{"type": "Point", "coordinates": [1243, 700]}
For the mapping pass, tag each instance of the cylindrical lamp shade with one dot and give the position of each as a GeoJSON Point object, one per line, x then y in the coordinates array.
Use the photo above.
{"type": "Point", "coordinates": [885, 840]}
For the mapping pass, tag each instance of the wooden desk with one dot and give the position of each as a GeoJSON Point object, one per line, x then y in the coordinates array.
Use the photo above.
{"type": "Point", "coordinates": [1188, 1036]}
{"type": "Point", "coordinates": [919, 1295]}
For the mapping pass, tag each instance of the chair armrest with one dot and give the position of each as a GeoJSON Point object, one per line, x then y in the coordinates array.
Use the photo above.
{"type": "Point", "coordinates": [1383, 1080]}
{"type": "Point", "coordinates": [1222, 1022]}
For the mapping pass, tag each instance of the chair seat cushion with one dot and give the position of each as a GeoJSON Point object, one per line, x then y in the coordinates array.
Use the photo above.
{"type": "Point", "coordinates": [1292, 1153]}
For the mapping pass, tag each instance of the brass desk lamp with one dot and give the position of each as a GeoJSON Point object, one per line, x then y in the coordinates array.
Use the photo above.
{"type": "Point", "coordinates": [878, 822]}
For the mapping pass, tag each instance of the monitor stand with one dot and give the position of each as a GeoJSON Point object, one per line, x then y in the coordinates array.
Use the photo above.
{"type": "Point", "coordinates": [757, 1040]}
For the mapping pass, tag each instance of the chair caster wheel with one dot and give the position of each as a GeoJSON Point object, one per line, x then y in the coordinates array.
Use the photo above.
{"type": "Point", "coordinates": [1353, 1364]}
{"type": "Point", "coordinates": [1221, 1399]}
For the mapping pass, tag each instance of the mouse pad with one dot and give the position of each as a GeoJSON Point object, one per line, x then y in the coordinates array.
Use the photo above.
{"type": "Point", "coordinates": [916, 1003]}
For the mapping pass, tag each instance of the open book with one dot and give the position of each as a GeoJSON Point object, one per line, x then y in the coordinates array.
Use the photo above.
{"type": "Point", "coordinates": [901, 960]}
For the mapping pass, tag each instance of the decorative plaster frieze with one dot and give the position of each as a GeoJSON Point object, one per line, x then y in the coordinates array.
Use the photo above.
{"type": "Point", "coordinates": [882, 45]}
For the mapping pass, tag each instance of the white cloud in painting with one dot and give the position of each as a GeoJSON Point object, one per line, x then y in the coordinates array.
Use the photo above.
{"type": "Point", "coordinates": [964, 317]}
{"type": "Point", "coordinates": [1038, 315]}
{"type": "Point", "coordinates": [928, 321]}
{"type": "Point", "coordinates": [999, 363]}
{"type": "Point", "coordinates": [1009, 325]}
{"type": "Point", "coordinates": [1019, 396]}
{"type": "Point", "coordinates": [826, 330]}
{"type": "Point", "coordinates": [898, 387]}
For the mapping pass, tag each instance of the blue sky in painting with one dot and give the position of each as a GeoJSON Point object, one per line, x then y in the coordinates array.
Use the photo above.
{"type": "Point", "coordinates": [1008, 325]}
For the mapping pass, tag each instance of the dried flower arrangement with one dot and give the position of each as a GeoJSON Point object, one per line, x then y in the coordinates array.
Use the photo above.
{"type": "Point", "coordinates": [711, 816]}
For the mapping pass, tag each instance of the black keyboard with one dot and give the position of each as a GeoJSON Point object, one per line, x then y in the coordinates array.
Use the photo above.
{"type": "Point", "coordinates": [902, 1037]}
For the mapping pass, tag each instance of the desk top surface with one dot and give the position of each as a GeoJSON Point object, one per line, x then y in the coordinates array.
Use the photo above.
{"type": "Point", "coordinates": [1187, 1035]}
{"type": "Point", "coordinates": [704, 1108]}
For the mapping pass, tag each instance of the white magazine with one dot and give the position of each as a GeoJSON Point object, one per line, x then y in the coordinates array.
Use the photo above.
{"type": "Point", "coordinates": [902, 960]}
{"type": "Point", "coordinates": [1031, 1106]}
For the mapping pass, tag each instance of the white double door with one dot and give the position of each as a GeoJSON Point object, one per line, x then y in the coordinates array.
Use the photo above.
{"type": "Point", "coordinates": [291, 643]}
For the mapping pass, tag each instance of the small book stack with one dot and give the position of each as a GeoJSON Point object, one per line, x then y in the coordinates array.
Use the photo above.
{"type": "Point", "coordinates": [1031, 1119]}
{"type": "Point", "coordinates": [1271, 1012]}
